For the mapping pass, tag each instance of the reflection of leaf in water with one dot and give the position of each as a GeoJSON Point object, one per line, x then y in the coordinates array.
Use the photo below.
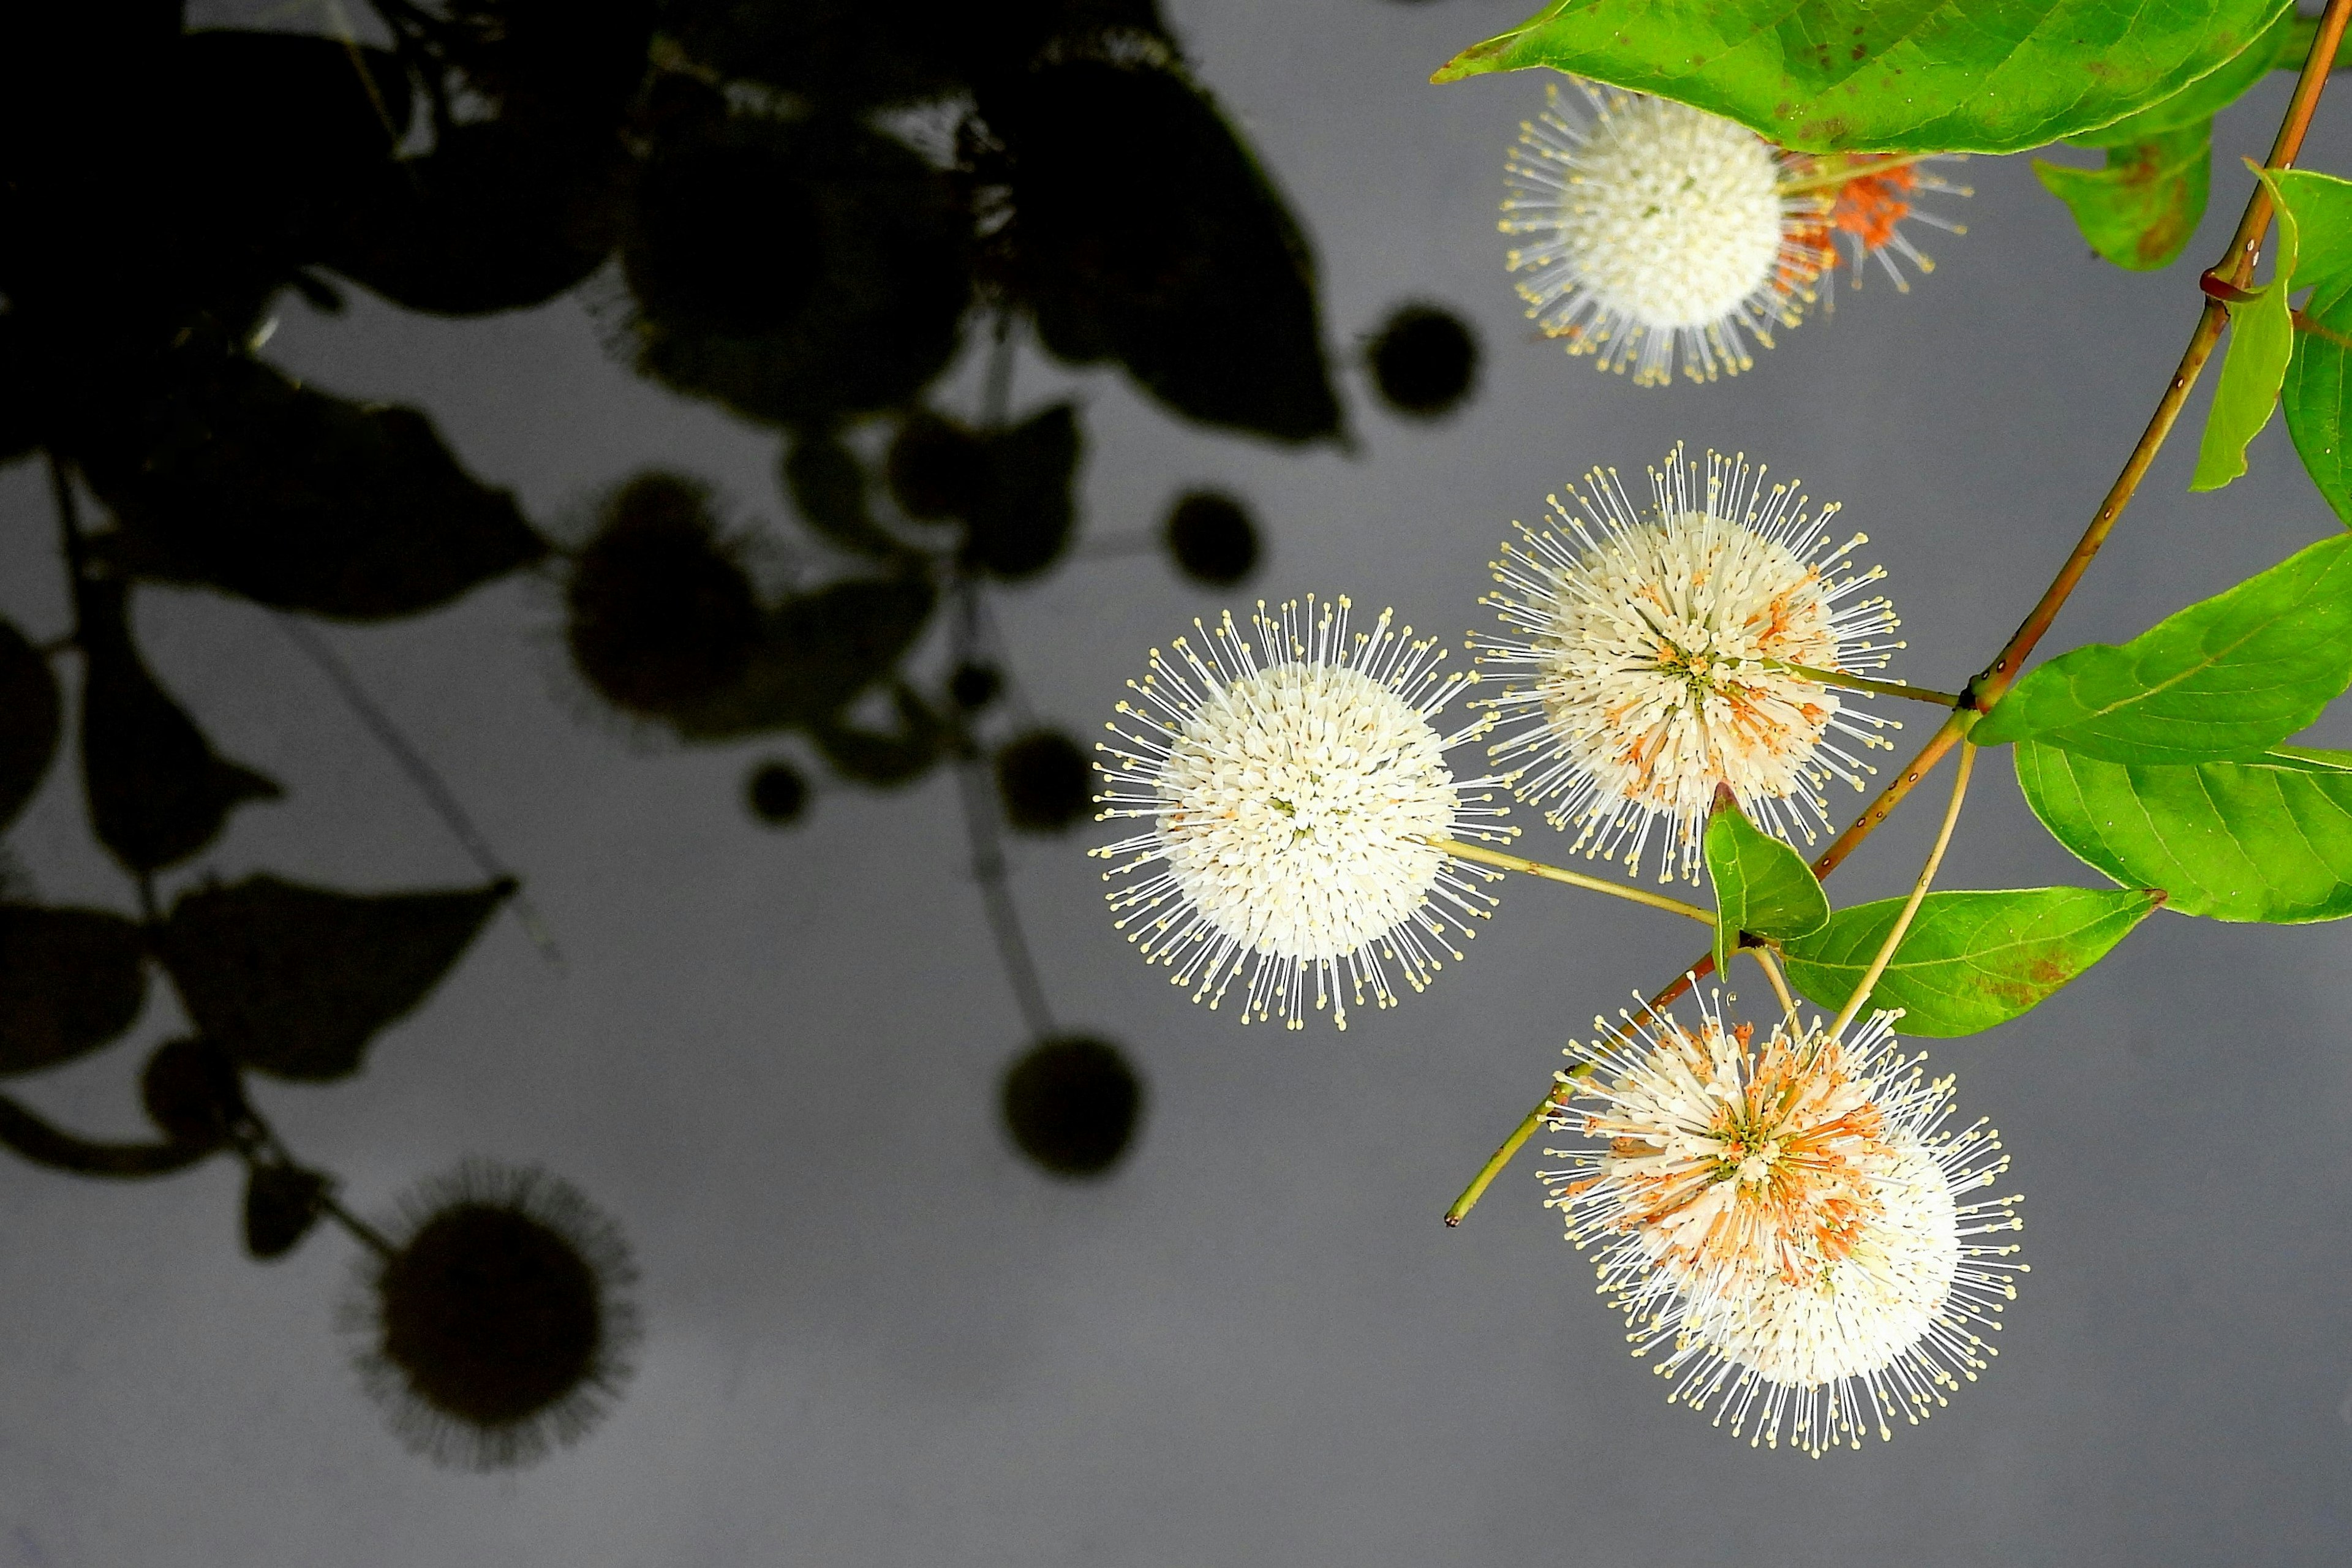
{"type": "Point", "coordinates": [191, 1090]}
{"type": "Point", "coordinates": [883, 758]}
{"type": "Point", "coordinates": [281, 1205]}
{"type": "Point", "coordinates": [1022, 520]}
{"type": "Point", "coordinates": [1205, 291]}
{"type": "Point", "coordinates": [494, 217]}
{"type": "Point", "coordinates": [827, 484]}
{"type": "Point", "coordinates": [70, 980]}
{"type": "Point", "coordinates": [29, 721]}
{"type": "Point", "coordinates": [552, 60]}
{"type": "Point", "coordinates": [296, 982]}
{"type": "Point", "coordinates": [874, 318]}
{"type": "Point", "coordinates": [157, 793]}
{"type": "Point", "coordinates": [231, 476]}
{"type": "Point", "coordinates": [817, 653]}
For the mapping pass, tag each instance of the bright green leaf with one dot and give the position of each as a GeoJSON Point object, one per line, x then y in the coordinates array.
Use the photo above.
{"type": "Point", "coordinates": [1890, 75]}
{"type": "Point", "coordinates": [2282, 47]}
{"type": "Point", "coordinates": [2141, 208]}
{"type": "Point", "coordinates": [2226, 677]}
{"type": "Point", "coordinates": [1970, 960]}
{"type": "Point", "coordinates": [2263, 840]}
{"type": "Point", "coordinates": [2317, 395]}
{"type": "Point", "coordinates": [2261, 336]}
{"type": "Point", "coordinates": [1760, 884]}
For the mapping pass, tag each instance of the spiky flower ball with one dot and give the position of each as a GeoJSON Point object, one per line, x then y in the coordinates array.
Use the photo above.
{"type": "Point", "coordinates": [1651, 655]}
{"type": "Point", "coordinates": [1788, 1224]}
{"type": "Point", "coordinates": [1864, 201]}
{"type": "Point", "coordinates": [1294, 785]}
{"type": "Point", "coordinates": [491, 1327]}
{"type": "Point", "coordinates": [1654, 230]}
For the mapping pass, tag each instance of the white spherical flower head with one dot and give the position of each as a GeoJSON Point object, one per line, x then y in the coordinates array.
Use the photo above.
{"type": "Point", "coordinates": [1656, 229]}
{"type": "Point", "coordinates": [1787, 1222]}
{"type": "Point", "coordinates": [1298, 802]}
{"type": "Point", "coordinates": [1650, 658]}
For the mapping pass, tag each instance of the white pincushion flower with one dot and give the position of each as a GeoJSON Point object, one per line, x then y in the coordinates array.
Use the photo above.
{"type": "Point", "coordinates": [1653, 226]}
{"type": "Point", "coordinates": [1788, 1223]}
{"type": "Point", "coordinates": [1652, 657]}
{"type": "Point", "coordinates": [1293, 788]}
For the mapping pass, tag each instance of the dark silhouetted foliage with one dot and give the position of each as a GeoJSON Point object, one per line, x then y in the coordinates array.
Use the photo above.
{"type": "Point", "coordinates": [883, 758]}
{"type": "Point", "coordinates": [1211, 539]}
{"type": "Point", "coordinates": [859, 324]}
{"type": "Point", "coordinates": [1072, 1104]}
{"type": "Point", "coordinates": [777, 793]}
{"type": "Point", "coordinates": [662, 616]}
{"type": "Point", "coordinates": [191, 1090]}
{"type": "Point", "coordinates": [1044, 782]}
{"type": "Point", "coordinates": [1424, 361]}
{"type": "Point", "coordinates": [1205, 291]}
{"type": "Point", "coordinates": [281, 1205]}
{"type": "Point", "coordinates": [70, 980]}
{"type": "Point", "coordinates": [937, 469]}
{"type": "Point", "coordinates": [1022, 521]}
{"type": "Point", "coordinates": [156, 791]}
{"type": "Point", "coordinates": [233, 476]}
{"type": "Point", "coordinates": [827, 485]}
{"type": "Point", "coordinates": [817, 653]}
{"type": "Point", "coordinates": [30, 716]}
{"type": "Point", "coordinates": [494, 1329]}
{"type": "Point", "coordinates": [975, 686]}
{"type": "Point", "coordinates": [295, 982]}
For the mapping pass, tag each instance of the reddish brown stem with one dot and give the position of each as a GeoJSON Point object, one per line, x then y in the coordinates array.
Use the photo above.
{"type": "Point", "coordinates": [2245, 248]}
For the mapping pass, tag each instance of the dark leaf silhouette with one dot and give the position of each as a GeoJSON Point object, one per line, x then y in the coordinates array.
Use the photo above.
{"type": "Point", "coordinates": [816, 654]}
{"type": "Point", "coordinates": [974, 686]}
{"type": "Point", "coordinates": [1206, 293]}
{"type": "Point", "coordinates": [1072, 1104]}
{"type": "Point", "coordinates": [1424, 361]}
{"type": "Point", "coordinates": [253, 86]}
{"type": "Point", "coordinates": [295, 982]}
{"type": "Point", "coordinates": [1044, 782]}
{"type": "Point", "coordinates": [563, 60]}
{"type": "Point", "coordinates": [44, 1145]}
{"type": "Point", "coordinates": [156, 791]}
{"type": "Point", "coordinates": [777, 793]}
{"type": "Point", "coordinates": [883, 758]}
{"type": "Point", "coordinates": [661, 614]}
{"type": "Point", "coordinates": [20, 379]}
{"type": "Point", "coordinates": [191, 1090]}
{"type": "Point", "coordinates": [70, 980]}
{"type": "Point", "coordinates": [281, 1205]}
{"type": "Point", "coordinates": [937, 468]}
{"type": "Point", "coordinates": [827, 485]}
{"type": "Point", "coordinates": [29, 721]}
{"type": "Point", "coordinates": [1211, 539]}
{"type": "Point", "coordinates": [797, 270]}
{"type": "Point", "coordinates": [494, 217]}
{"type": "Point", "coordinates": [233, 476]}
{"type": "Point", "coordinates": [1022, 520]}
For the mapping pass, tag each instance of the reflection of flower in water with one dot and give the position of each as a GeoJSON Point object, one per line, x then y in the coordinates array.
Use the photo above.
{"type": "Point", "coordinates": [492, 1328]}
{"type": "Point", "coordinates": [1786, 1222]}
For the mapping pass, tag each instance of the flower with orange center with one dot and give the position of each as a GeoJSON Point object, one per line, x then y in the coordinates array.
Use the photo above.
{"type": "Point", "coordinates": [1786, 1220]}
{"type": "Point", "coordinates": [1867, 209]}
{"type": "Point", "coordinates": [1650, 658]}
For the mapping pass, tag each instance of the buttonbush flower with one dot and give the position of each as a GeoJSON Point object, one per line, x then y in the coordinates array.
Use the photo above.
{"type": "Point", "coordinates": [1651, 657]}
{"type": "Point", "coordinates": [1789, 1224]}
{"type": "Point", "coordinates": [1867, 211]}
{"type": "Point", "coordinates": [1653, 230]}
{"type": "Point", "coordinates": [1293, 784]}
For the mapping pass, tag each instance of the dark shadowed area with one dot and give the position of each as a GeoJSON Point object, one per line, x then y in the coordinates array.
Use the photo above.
{"type": "Point", "coordinates": [578, 1103]}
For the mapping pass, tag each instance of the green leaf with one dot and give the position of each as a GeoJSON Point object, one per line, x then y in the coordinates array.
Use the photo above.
{"type": "Point", "coordinates": [1970, 960]}
{"type": "Point", "coordinates": [2265, 839]}
{"type": "Point", "coordinates": [2141, 208]}
{"type": "Point", "coordinates": [2281, 46]}
{"type": "Point", "coordinates": [2317, 398]}
{"type": "Point", "coordinates": [1761, 886]}
{"type": "Point", "coordinates": [1867, 75]}
{"type": "Point", "coordinates": [2261, 336]}
{"type": "Point", "coordinates": [2226, 677]}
